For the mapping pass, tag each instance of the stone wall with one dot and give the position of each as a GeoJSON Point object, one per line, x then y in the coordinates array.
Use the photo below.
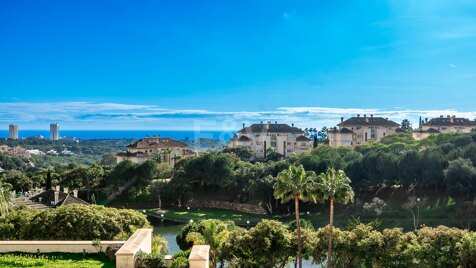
{"type": "Point", "coordinates": [199, 256]}
{"type": "Point", "coordinates": [245, 208]}
{"type": "Point", "coordinates": [141, 240]}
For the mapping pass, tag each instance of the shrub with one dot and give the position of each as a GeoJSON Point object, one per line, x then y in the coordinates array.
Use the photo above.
{"type": "Point", "coordinates": [180, 259]}
{"type": "Point", "coordinates": [180, 262]}
{"type": "Point", "coordinates": [467, 250]}
{"type": "Point", "coordinates": [71, 222]}
{"type": "Point", "coordinates": [159, 245]}
{"type": "Point", "coordinates": [364, 246]}
{"type": "Point", "coordinates": [436, 247]}
{"type": "Point", "coordinates": [181, 238]}
{"type": "Point", "coordinates": [268, 244]}
{"type": "Point", "coordinates": [150, 260]}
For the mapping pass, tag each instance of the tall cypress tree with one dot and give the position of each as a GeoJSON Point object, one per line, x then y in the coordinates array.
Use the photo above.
{"type": "Point", "coordinates": [48, 180]}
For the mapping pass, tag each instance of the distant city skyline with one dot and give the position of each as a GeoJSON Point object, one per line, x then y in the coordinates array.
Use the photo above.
{"type": "Point", "coordinates": [217, 64]}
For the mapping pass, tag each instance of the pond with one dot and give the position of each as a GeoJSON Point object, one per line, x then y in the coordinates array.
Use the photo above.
{"type": "Point", "coordinates": [169, 231]}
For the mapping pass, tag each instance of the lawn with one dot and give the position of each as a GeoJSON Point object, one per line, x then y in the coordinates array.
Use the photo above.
{"type": "Point", "coordinates": [438, 211]}
{"type": "Point", "coordinates": [55, 260]}
{"type": "Point", "coordinates": [185, 215]}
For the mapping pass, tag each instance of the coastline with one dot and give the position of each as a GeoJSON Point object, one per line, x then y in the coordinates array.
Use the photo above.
{"type": "Point", "coordinates": [222, 135]}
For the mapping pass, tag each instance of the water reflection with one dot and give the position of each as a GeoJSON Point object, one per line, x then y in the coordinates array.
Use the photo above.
{"type": "Point", "coordinates": [169, 230]}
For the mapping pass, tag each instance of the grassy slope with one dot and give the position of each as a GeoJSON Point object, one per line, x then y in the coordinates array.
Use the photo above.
{"type": "Point", "coordinates": [438, 210]}
{"type": "Point", "coordinates": [55, 260]}
{"type": "Point", "coordinates": [184, 215]}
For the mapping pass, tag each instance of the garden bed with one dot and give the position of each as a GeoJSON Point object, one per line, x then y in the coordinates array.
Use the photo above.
{"type": "Point", "coordinates": [57, 260]}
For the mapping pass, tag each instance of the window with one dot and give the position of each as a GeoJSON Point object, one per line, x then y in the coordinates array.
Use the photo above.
{"type": "Point", "coordinates": [303, 143]}
{"type": "Point", "coordinates": [289, 143]}
{"type": "Point", "coordinates": [273, 144]}
{"type": "Point", "coordinates": [289, 150]}
{"type": "Point", "coordinates": [258, 143]}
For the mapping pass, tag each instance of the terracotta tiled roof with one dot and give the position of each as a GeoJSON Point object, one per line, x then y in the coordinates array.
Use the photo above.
{"type": "Point", "coordinates": [137, 154]}
{"type": "Point", "coordinates": [342, 131]}
{"type": "Point", "coordinates": [430, 130]}
{"type": "Point", "coordinates": [147, 143]}
{"type": "Point", "coordinates": [271, 128]}
{"type": "Point", "coordinates": [302, 138]}
{"type": "Point", "coordinates": [189, 152]}
{"type": "Point", "coordinates": [243, 138]}
{"type": "Point", "coordinates": [449, 121]}
{"type": "Point", "coordinates": [368, 121]}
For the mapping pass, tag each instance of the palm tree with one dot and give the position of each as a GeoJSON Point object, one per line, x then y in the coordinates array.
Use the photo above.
{"type": "Point", "coordinates": [406, 125]}
{"type": "Point", "coordinates": [168, 151]}
{"type": "Point", "coordinates": [213, 233]}
{"type": "Point", "coordinates": [296, 183]}
{"type": "Point", "coordinates": [335, 187]}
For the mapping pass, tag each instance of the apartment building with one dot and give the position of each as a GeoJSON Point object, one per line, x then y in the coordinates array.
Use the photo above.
{"type": "Point", "coordinates": [449, 124]}
{"type": "Point", "coordinates": [13, 132]}
{"type": "Point", "coordinates": [442, 124]}
{"type": "Point", "coordinates": [268, 137]}
{"type": "Point", "coordinates": [54, 132]}
{"type": "Point", "coordinates": [165, 150]}
{"type": "Point", "coordinates": [360, 129]}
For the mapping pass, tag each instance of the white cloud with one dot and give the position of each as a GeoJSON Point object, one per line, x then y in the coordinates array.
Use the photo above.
{"type": "Point", "coordinates": [87, 115]}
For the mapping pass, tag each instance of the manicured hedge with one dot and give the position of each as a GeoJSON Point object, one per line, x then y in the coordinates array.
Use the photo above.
{"type": "Point", "coordinates": [70, 222]}
{"type": "Point", "coordinates": [363, 246]}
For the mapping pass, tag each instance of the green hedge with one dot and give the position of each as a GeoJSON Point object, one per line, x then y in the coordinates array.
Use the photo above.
{"type": "Point", "coordinates": [70, 222]}
{"type": "Point", "coordinates": [364, 246]}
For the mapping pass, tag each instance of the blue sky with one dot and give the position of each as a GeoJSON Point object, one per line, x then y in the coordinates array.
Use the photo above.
{"type": "Point", "coordinates": [215, 64]}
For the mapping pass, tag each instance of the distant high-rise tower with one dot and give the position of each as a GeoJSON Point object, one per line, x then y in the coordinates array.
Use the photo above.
{"type": "Point", "coordinates": [54, 132]}
{"type": "Point", "coordinates": [13, 132]}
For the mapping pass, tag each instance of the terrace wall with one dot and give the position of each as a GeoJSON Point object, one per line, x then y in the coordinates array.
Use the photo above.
{"type": "Point", "coordinates": [141, 240]}
{"type": "Point", "coordinates": [53, 246]}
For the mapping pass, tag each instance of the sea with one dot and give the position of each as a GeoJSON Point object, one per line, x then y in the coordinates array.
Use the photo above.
{"type": "Point", "coordinates": [128, 134]}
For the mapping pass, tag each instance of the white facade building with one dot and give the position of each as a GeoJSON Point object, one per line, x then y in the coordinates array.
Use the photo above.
{"type": "Point", "coordinates": [280, 138]}
{"type": "Point", "coordinates": [358, 130]}
{"type": "Point", "coordinates": [448, 124]}
{"type": "Point", "coordinates": [165, 150]}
